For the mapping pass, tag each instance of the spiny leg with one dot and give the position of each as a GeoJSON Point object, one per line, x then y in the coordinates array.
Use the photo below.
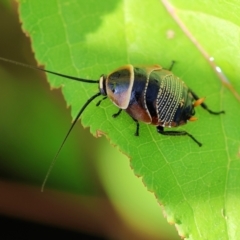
{"type": "Point", "coordinates": [99, 102]}
{"type": "Point", "coordinates": [203, 105]}
{"type": "Point", "coordinates": [117, 114]}
{"type": "Point", "coordinates": [177, 133]}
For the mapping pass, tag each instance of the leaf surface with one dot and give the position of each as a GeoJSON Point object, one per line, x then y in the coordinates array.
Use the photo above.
{"type": "Point", "coordinates": [198, 187]}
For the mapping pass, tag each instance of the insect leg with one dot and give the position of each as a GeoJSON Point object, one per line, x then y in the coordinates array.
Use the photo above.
{"type": "Point", "coordinates": [99, 102]}
{"type": "Point", "coordinates": [177, 133]}
{"type": "Point", "coordinates": [136, 121]}
{"type": "Point", "coordinates": [117, 114]}
{"type": "Point", "coordinates": [171, 66]}
{"type": "Point", "coordinates": [203, 105]}
{"type": "Point", "coordinates": [137, 129]}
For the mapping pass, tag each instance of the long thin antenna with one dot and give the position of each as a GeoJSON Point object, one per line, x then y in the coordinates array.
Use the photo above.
{"type": "Point", "coordinates": [48, 71]}
{"type": "Point", "coordinates": [64, 140]}
{"type": "Point", "coordinates": [77, 117]}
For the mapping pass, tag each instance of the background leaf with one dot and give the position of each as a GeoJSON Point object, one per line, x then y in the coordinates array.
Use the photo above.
{"type": "Point", "coordinates": [198, 187]}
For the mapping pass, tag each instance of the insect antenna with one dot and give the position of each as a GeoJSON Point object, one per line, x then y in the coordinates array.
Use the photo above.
{"type": "Point", "coordinates": [64, 140]}
{"type": "Point", "coordinates": [76, 118]}
{"type": "Point", "coordinates": [48, 71]}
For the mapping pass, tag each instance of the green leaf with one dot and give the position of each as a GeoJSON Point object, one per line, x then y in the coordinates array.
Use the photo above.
{"type": "Point", "coordinates": [198, 187]}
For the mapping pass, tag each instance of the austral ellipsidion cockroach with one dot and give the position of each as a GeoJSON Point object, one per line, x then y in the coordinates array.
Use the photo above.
{"type": "Point", "coordinates": [151, 94]}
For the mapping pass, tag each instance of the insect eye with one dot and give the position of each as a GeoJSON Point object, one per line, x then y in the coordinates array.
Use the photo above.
{"type": "Point", "coordinates": [112, 86]}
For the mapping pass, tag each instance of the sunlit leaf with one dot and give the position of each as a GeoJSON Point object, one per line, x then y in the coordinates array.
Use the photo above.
{"type": "Point", "coordinates": [198, 187]}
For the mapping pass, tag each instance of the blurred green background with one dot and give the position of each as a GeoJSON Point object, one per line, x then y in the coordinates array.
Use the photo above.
{"type": "Point", "coordinates": [91, 179]}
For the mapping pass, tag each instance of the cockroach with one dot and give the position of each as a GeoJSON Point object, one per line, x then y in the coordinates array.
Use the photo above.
{"type": "Point", "coordinates": [151, 94]}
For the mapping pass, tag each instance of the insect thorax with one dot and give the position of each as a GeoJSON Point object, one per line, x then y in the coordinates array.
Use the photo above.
{"type": "Point", "coordinates": [169, 99]}
{"type": "Point", "coordinates": [159, 98]}
{"type": "Point", "coordinates": [173, 103]}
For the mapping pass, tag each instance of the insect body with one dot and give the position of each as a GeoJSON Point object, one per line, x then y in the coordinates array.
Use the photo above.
{"type": "Point", "coordinates": [152, 95]}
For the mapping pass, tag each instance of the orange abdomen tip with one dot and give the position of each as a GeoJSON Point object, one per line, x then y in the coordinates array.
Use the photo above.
{"type": "Point", "coordinates": [192, 119]}
{"type": "Point", "coordinates": [198, 102]}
